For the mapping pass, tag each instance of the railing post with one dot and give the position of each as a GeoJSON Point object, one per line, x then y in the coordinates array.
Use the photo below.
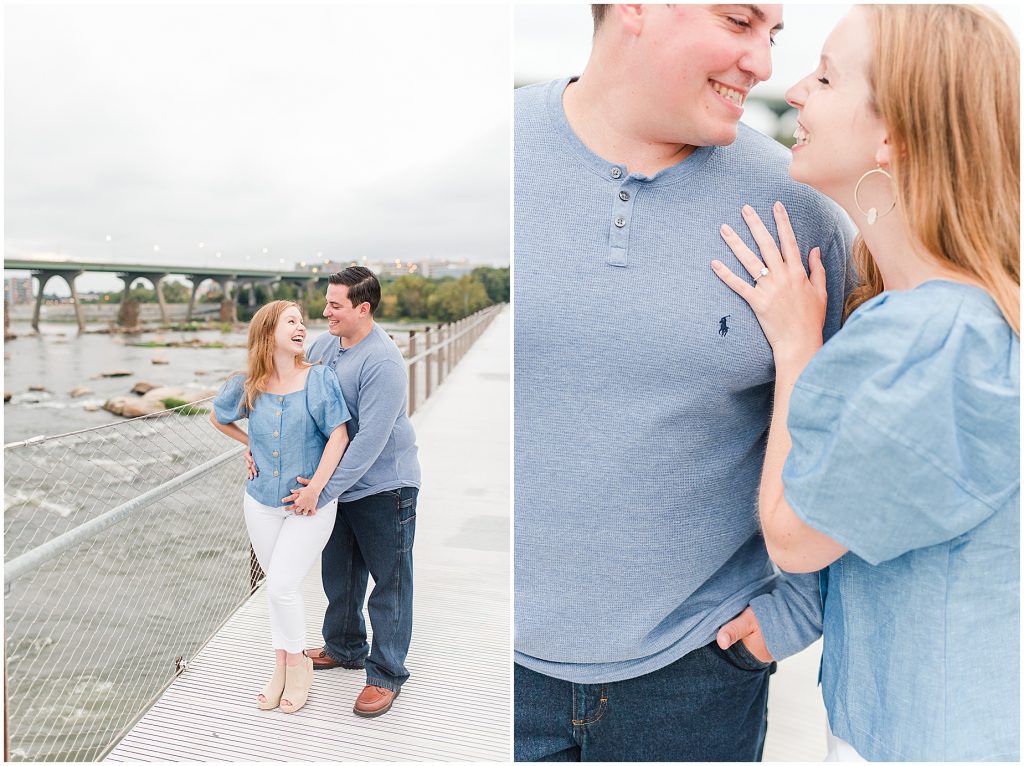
{"type": "Point", "coordinates": [440, 354]}
{"type": "Point", "coordinates": [412, 372]}
{"type": "Point", "coordinates": [427, 343]}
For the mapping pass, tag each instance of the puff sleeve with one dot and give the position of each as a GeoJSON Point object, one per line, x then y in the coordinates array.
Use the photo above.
{"type": "Point", "coordinates": [324, 400]}
{"type": "Point", "coordinates": [228, 405]}
{"type": "Point", "coordinates": [905, 427]}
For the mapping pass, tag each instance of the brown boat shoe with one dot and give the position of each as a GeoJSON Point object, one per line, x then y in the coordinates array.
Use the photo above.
{"type": "Point", "coordinates": [323, 661]}
{"type": "Point", "coordinates": [374, 701]}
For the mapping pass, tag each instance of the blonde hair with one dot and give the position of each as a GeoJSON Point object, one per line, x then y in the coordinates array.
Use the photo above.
{"type": "Point", "coordinates": [261, 350]}
{"type": "Point", "coordinates": [945, 80]}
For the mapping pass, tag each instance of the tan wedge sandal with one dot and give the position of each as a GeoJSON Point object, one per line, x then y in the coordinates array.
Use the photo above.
{"type": "Point", "coordinates": [296, 688]}
{"type": "Point", "coordinates": [273, 690]}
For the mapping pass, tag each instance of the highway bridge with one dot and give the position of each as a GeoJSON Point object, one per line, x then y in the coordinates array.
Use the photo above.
{"type": "Point", "coordinates": [231, 281]}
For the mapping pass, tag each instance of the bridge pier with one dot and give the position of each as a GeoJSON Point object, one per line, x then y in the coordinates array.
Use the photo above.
{"type": "Point", "coordinates": [128, 314]}
{"type": "Point", "coordinates": [196, 280]}
{"type": "Point", "coordinates": [228, 307]}
{"type": "Point", "coordinates": [68, 276]}
{"type": "Point", "coordinates": [158, 281]}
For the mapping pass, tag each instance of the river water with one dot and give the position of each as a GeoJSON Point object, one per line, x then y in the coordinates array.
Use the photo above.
{"type": "Point", "coordinates": [59, 359]}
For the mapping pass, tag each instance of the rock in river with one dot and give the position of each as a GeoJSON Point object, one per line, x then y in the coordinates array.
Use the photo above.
{"type": "Point", "coordinates": [152, 401]}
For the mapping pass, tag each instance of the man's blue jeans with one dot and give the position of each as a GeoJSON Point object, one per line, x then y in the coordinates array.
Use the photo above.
{"type": "Point", "coordinates": [710, 705]}
{"type": "Point", "coordinates": [372, 535]}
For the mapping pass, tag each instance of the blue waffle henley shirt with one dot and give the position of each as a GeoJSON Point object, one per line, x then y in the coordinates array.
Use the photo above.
{"type": "Point", "coordinates": [382, 454]}
{"type": "Point", "coordinates": [643, 391]}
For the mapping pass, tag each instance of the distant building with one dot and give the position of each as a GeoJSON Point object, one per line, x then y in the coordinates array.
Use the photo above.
{"type": "Point", "coordinates": [18, 290]}
{"type": "Point", "coordinates": [426, 267]}
{"type": "Point", "coordinates": [452, 269]}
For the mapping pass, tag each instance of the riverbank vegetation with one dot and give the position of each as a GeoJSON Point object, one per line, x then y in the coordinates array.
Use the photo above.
{"type": "Point", "coordinates": [408, 298]}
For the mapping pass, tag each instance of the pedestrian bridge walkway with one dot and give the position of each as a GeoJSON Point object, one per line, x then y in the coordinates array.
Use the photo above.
{"type": "Point", "coordinates": [796, 714]}
{"type": "Point", "coordinates": [457, 704]}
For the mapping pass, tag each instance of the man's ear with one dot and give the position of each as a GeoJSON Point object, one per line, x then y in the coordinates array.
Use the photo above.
{"type": "Point", "coordinates": [631, 17]}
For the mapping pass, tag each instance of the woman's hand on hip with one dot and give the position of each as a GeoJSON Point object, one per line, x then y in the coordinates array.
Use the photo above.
{"type": "Point", "coordinates": [251, 465]}
{"type": "Point", "coordinates": [789, 306]}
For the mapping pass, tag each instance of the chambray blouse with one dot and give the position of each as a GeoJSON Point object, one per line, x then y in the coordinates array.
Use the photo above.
{"type": "Point", "coordinates": [287, 433]}
{"type": "Point", "coordinates": [906, 444]}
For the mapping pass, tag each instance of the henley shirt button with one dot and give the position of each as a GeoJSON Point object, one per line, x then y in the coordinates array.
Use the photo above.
{"type": "Point", "coordinates": [275, 453]}
{"type": "Point", "coordinates": [277, 473]}
{"type": "Point", "coordinates": [624, 196]}
{"type": "Point", "coordinates": [616, 173]}
{"type": "Point", "coordinates": [275, 433]}
{"type": "Point", "coordinates": [620, 221]}
{"type": "Point", "coordinates": [279, 413]}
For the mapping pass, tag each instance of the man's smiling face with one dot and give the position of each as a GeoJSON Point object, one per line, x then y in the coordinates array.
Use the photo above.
{"type": "Point", "coordinates": [698, 64]}
{"type": "Point", "coordinates": [343, 319]}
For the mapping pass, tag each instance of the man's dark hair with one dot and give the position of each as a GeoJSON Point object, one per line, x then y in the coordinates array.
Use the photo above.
{"type": "Point", "coordinates": [362, 285]}
{"type": "Point", "coordinates": [598, 12]}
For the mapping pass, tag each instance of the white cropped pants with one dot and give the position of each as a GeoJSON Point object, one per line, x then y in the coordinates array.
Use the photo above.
{"type": "Point", "coordinates": [287, 546]}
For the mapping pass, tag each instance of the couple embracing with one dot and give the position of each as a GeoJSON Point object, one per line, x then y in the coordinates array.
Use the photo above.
{"type": "Point", "coordinates": [736, 429]}
{"type": "Point", "coordinates": [332, 469]}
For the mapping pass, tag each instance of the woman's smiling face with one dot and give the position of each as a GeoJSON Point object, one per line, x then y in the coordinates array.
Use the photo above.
{"type": "Point", "coordinates": [289, 333]}
{"type": "Point", "coordinates": [839, 135]}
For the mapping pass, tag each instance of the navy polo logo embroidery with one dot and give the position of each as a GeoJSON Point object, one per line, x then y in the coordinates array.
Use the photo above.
{"type": "Point", "coordinates": [723, 328]}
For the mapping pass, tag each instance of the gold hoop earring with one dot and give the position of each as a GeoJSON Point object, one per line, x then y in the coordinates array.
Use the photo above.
{"type": "Point", "coordinates": [872, 213]}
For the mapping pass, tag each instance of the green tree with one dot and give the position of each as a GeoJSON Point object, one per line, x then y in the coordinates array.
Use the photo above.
{"type": "Point", "coordinates": [286, 291]}
{"type": "Point", "coordinates": [412, 295]}
{"type": "Point", "coordinates": [175, 292]}
{"type": "Point", "coordinates": [316, 303]}
{"type": "Point", "coordinates": [457, 298]}
{"type": "Point", "coordinates": [142, 294]}
{"type": "Point", "coordinates": [497, 282]}
{"type": "Point", "coordinates": [388, 308]}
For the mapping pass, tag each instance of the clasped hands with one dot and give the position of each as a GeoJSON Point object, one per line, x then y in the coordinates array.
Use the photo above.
{"type": "Point", "coordinates": [303, 500]}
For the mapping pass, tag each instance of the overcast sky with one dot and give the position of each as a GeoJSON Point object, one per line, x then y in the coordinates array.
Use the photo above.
{"type": "Point", "coordinates": [375, 130]}
{"type": "Point", "coordinates": [344, 130]}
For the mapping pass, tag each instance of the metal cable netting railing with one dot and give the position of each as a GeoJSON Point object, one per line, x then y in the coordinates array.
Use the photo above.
{"type": "Point", "coordinates": [95, 632]}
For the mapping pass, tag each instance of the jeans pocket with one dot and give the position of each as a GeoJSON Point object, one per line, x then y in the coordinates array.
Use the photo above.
{"type": "Point", "coordinates": [406, 523]}
{"type": "Point", "coordinates": [741, 657]}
